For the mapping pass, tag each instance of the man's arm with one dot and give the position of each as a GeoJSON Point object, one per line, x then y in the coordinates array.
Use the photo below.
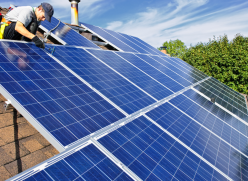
{"type": "Point", "coordinates": [20, 28]}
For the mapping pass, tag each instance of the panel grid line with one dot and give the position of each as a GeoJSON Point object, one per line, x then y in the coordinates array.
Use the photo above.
{"type": "Point", "coordinates": [209, 130]}
{"type": "Point", "coordinates": [199, 156]}
{"type": "Point", "coordinates": [217, 104]}
{"type": "Point", "coordinates": [145, 73]}
{"type": "Point", "coordinates": [122, 76]}
{"type": "Point", "coordinates": [108, 100]}
{"type": "Point", "coordinates": [115, 160]}
{"type": "Point", "coordinates": [173, 66]}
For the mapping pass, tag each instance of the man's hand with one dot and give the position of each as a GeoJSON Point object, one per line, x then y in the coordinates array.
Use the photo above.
{"type": "Point", "coordinates": [38, 42]}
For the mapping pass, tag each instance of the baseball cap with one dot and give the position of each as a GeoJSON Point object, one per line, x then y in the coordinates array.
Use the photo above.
{"type": "Point", "coordinates": [48, 11]}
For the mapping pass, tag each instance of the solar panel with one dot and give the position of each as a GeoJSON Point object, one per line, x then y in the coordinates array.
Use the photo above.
{"type": "Point", "coordinates": [125, 115]}
{"type": "Point", "coordinates": [154, 155]}
{"type": "Point", "coordinates": [226, 97]}
{"type": "Point", "coordinates": [119, 45]}
{"type": "Point", "coordinates": [87, 163]}
{"type": "Point", "coordinates": [151, 51]}
{"type": "Point", "coordinates": [149, 46]}
{"type": "Point", "coordinates": [65, 34]}
{"type": "Point", "coordinates": [55, 100]}
{"type": "Point", "coordinates": [144, 81]}
{"type": "Point", "coordinates": [123, 42]}
{"type": "Point", "coordinates": [111, 84]}
{"type": "Point", "coordinates": [126, 41]}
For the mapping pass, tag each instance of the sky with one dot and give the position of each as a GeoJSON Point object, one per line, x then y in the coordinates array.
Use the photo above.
{"type": "Point", "coordinates": [157, 21]}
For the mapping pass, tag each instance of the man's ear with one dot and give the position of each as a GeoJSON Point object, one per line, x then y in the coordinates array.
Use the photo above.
{"type": "Point", "coordinates": [39, 8]}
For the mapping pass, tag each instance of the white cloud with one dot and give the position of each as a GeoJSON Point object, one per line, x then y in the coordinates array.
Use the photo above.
{"type": "Point", "coordinates": [186, 20]}
{"type": "Point", "coordinates": [114, 25]}
{"type": "Point", "coordinates": [62, 8]}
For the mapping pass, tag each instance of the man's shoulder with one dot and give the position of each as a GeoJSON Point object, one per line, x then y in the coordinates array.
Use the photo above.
{"type": "Point", "coordinates": [27, 8]}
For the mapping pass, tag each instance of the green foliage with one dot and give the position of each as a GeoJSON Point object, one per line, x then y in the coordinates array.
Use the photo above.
{"type": "Point", "coordinates": [223, 60]}
{"type": "Point", "coordinates": [176, 48]}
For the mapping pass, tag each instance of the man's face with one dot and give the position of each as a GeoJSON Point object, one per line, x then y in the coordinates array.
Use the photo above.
{"type": "Point", "coordinates": [41, 15]}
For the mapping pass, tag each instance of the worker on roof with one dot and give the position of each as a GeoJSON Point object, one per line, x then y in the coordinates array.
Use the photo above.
{"type": "Point", "coordinates": [23, 22]}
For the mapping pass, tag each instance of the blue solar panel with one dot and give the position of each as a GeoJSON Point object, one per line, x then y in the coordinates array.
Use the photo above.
{"type": "Point", "coordinates": [153, 155]}
{"type": "Point", "coordinates": [109, 83]}
{"type": "Point", "coordinates": [150, 51]}
{"type": "Point", "coordinates": [59, 101]}
{"type": "Point", "coordinates": [109, 38]}
{"type": "Point", "coordinates": [231, 100]}
{"type": "Point", "coordinates": [164, 75]}
{"type": "Point", "coordinates": [127, 41]}
{"type": "Point", "coordinates": [67, 34]}
{"type": "Point", "coordinates": [139, 78]}
{"type": "Point", "coordinates": [149, 46]}
{"type": "Point", "coordinates": [215, 110]}
{"type": "Point", "coordinates": [87, 163]}
{"type": "Point", "coordinates": [226, 152]}
{"type": "Point", "coordinates": [75, 93]}
{"type": "Point", "coordinates": [185, 66]}
{"type": "Point", "coordinates": [190, 74]}
{"type": "Point", "coordinates": [122, 41]}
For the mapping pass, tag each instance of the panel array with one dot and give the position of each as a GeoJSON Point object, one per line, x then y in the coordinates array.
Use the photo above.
{"type": "Point", "coordinates": [137, 111]}
{"type": "Point", "coordinates": [144, 81]}
{"type": "Point", "coordinates": [108, 38]}
{"type": "Point", "coordinates": [68, 35]}
{"type": "Point", "coordinates": [59, 101]}
{"type": "Point", "coordinates": [226, 97]}
{"type": "Point", "coordinates": [218, 142]}
{"type": "Point", "coordinates": [153, 155]}
{"type": "Point", "coordinates": [87, 163]}
{"type": "Point", "coordinates": [157, 52]}
{"type": "Point", "coordinates": [116, 88]}
{"type": "Point", "coordinates": [123, 42]}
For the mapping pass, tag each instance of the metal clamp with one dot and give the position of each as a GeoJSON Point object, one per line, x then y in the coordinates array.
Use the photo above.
{"type": "Point", "coordinates": [7, 103]}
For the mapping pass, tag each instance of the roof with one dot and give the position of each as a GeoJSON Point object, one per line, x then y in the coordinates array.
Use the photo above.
{"type": "Point", "coordinates": [21, 145]}
{"type": "Point", "coordinates": [24, 147]}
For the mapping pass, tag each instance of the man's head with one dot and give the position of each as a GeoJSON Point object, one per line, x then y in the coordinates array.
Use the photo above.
{"type": "Point", "coordinates": [44, 12]}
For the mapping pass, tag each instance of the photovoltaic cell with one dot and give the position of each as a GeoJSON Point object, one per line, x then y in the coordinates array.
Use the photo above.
{"type": "Point", "coordinates": [126, 41]}
{"type": "Point", "coordinates": [109, 83]}
{"type": "Point", "coordinates": [157, 52]}
{"type": "Point", "coordinates": [139, 78]}
{"type": "Point", "coordinates": [186, 138]}
{"type": "Point", "coordinates": [153, 155]}
{"type": "Point", "coordinates": [182, 65]}
{"type": "Point", "coordinates": [70, 36]}
{"type": "Point", "coordinates": [109, 38]}
{"type": "Point", "coordinates": [86, 164]}
{"type": "Point", "coordinates": [215, 110]}
{"type": "Point", "coordinates": [161, 73]}
{"type": "Point", "coordinates": [150, 51]}
{"type": "Point", "coordinates": [58, 100]}
{"type": "Point", "coordinates": [190, 74]}
{"type": "Point", "coordinates": [229, 132]}
{"type": "Point", "coordinates": [165, 79]}
{"type": "Point", "coordinates": [231, 100]}
{"type": "Point", "coordinates": [216, 150]}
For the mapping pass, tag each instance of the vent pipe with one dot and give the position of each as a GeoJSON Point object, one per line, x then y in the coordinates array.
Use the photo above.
{"type": "Point", "coordinates": [163, 49]}
{"type": "Point", "coordinates": [74, 11]}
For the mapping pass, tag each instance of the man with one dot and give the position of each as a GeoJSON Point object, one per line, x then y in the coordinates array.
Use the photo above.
{"type": "Point", "coordinates": [24, 21]}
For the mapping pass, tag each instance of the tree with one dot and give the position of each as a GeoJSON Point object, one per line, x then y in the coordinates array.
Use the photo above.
{"type": "Point", "coordinates": [224, 60]}
{"type": "Point", "coordinates": [176, 48]}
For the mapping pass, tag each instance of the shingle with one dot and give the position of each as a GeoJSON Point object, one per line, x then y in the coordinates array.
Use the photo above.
{"type": "Point", "coordinates": [5, 158]}
{"type": "Point", "coordinates": [15, 150]}
{"type": "Point", "coordinates": [34, 158]}
{"type": "Point", "coordinates": [4, 174]}
{"type": "Point", "coordinates": [15, 167]}
{"type": "Point", "coordinates": [32, 145]}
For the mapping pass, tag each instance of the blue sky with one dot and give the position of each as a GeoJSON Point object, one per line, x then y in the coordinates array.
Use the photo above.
{"type": "Point", "coordinates": [157, 21]}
